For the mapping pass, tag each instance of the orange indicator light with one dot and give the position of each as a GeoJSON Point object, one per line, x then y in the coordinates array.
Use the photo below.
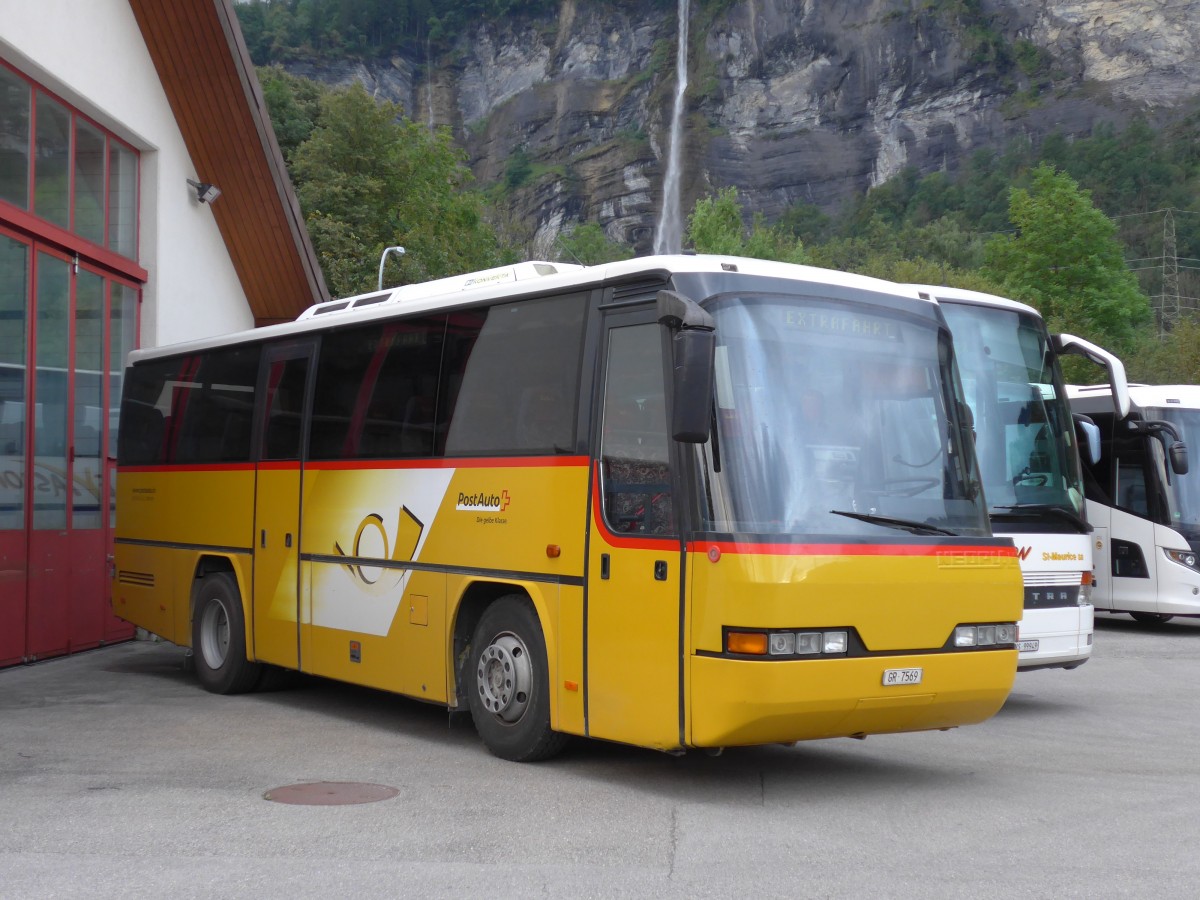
{"type": "Point", "coordinates": [746, 642]}
{"type": "Point", "coordinates": [571, 685]}
{"type": "Point", "coordinates": [553, 551]}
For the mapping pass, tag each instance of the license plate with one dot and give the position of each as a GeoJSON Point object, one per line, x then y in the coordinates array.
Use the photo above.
{"type": "Point", "coordinates": [902, 676]}
{"type": "Point", "coordinates": [1027, 645]}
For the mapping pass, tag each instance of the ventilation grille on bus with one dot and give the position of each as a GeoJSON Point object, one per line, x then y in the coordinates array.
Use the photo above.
{"type": "Point", "coordinates": [1052, 579]}
{"type": "Point", "coordinates": [137, 579]}
{"type": "Point", "coordinates": [636, 289]}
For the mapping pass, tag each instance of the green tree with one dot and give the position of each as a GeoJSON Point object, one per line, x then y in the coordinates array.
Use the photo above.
{"type": "Point", "coordinates": [716, 226]}
{"type": "Point", "coordinates": [367, 178]}
{"type": "Point", "coordinates": [1065, 260]}
{"type": "Point", "coordinates": [1174, 359]}
{"type": "Point", "coordinates": [589, 245]}
{"type": "Point", "coordinates": [294, 104]}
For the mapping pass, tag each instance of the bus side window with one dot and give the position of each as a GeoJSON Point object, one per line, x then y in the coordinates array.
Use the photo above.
{"type": "Point", "coordinates": [214, 408]}
{"type": "Point", "coordinates": [518, 389]}
{"type": "Point", "coordinates": [285, 404]}
{"type": "Point", "coordinates": [634, 448]}
{"type": "Point", "coordinates": [1131, 478]}
{"type": "Point", "coordinates": [375, 391]}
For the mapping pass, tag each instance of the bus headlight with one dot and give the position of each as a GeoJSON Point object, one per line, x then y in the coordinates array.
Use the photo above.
{"type": "Point", "coordinates": [787, 643]}
{"type": "Point", "coordinates": [835, 642]}
{"type": "Point", "coordinates": [985, 635]}
{"type": "Point", "coordinates": [1183, 557]}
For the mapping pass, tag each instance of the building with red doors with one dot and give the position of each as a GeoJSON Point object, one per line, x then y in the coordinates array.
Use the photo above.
{"type": "Point", "coordinates": [143, 201]}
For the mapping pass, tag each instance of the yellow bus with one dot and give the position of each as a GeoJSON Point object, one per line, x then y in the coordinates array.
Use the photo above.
{"type": "Point", "coordinates": [677, 502]}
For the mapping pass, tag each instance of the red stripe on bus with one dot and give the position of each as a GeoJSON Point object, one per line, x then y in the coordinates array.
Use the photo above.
{"type": "Point", "coordinates": [840, 549]}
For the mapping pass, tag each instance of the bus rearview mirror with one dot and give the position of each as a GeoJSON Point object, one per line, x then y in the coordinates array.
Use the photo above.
{"type": "Point", "coordinates": [1089, 438]}
{"type": "Point", "coordinates": [693, 355]}
{"type": "Point", "coordinates": [1179, 457]}
{"type": "Point", "coordinates": [692, 352]}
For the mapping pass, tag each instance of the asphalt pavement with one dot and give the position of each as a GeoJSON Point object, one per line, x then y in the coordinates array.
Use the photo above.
{"type": "Point", "coordinates": [121, 777]}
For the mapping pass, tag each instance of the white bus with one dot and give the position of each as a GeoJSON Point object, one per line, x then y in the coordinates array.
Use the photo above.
{"type": "Point", "coordinates": [1143, 503]}
{"type": "Point", "coordinates": [1027, 443]}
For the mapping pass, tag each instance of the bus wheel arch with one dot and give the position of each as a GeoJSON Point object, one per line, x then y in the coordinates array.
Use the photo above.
{"type": "Point", "coordinates": [506, 679]}
{"type": "Point", "coordinates": [219, 655]}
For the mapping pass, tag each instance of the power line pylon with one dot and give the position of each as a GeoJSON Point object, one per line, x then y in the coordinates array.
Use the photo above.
{"type": "Point", "coordinates": [1170, 276]}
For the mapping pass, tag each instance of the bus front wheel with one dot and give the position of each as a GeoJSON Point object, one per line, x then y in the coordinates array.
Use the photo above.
{"type": "Point", "coordinates": [219, 638]}
{"type": "Point", "coordinates": [1145, 618]}
{"type": "Point", "coordinates": [507, 683]}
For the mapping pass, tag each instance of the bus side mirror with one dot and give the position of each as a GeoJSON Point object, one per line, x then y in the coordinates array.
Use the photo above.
{"type": "Point", "coordinates": [693, 353]}
{"type": "Point", "coordinates": [1088, 433]}
{"type": "Point", "coordinates": [1176, 450]}
{"type": "Point", "coordinates": [1178, 455]}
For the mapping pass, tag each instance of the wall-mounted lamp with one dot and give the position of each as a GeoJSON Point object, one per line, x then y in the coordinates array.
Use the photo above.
{"type": "Point", "coordinates": [205, 192]}
{"type": "Point", "coordinates": [399, 251]}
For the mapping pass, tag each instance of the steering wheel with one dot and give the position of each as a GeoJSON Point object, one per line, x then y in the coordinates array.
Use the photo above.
{"type": "Point", "coordinates": [1030, 479]}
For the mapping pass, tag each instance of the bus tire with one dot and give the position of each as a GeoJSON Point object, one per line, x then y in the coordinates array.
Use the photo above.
{"type": "Point", "coordinates": [219, 638]}
{"type": "Point", "coordinates": [1145, 618]}
{"type": "Point", "coordinates": [508, 687]}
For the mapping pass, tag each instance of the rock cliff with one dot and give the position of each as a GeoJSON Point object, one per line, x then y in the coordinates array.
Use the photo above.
{"type": "Point", "coordinates": [789, 100]}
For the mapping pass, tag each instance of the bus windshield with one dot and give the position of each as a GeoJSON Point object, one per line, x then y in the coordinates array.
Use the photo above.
{"type": "Point", "coordinates": [1183, 499]}
{"type": "Point", "coordinates": [1024, 431]}
{"type": "Point", "coordinates": [835, 418]}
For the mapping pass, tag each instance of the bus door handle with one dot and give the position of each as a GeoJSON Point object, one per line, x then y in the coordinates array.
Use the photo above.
{"type": "Point", "coordinates": [660, 570]}
{"type": "Point", "coordinates": [263, 539]}
{"type": "Point", "coordinates": [287, 539]}
{"type": "Point", "coordinates": [604, 565]}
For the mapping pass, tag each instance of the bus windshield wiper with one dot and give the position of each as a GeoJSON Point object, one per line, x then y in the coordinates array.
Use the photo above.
{"type": "Point", "coordinates": [904, 524]}
{"type": "Point", "coordinates": [1017, 509]}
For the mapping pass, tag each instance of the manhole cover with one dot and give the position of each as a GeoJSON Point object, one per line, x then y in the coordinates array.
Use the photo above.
{"type": "Point", "coordinates": [330, 793]}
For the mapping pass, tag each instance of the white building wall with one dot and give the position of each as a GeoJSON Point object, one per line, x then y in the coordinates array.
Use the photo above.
{"type": "Point", "coordinates": [91, 53]}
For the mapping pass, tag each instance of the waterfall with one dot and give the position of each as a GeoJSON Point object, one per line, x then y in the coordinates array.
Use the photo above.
{"type": "Point", "coordinates": [429, 83]}
{"type": "Point", "coordinates": [668, 236]}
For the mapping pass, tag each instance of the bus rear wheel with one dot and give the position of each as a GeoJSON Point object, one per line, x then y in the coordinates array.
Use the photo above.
{"type": "Point", "coordinates": [219, 637]}
{"type": "Point", "coordinates": [508, 686]}
{"type": "Point", "coordinates": [1146, 618]}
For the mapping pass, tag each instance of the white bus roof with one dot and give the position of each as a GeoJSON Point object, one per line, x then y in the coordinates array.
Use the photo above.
{"type": "Point", "coordinates": [979, 298]}
{"type": "Point", "coordinates": [499, 284]}
{"type": "Point", "coordinates": [1159, 396]}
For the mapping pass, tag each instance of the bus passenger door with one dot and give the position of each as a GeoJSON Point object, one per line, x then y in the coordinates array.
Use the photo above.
{"type": "Point", "coordinates": [634, 582]}
{"type": "Point", "coordinates": [283, 385]}
{"type": "Point", "coordinates": [1102, 584]}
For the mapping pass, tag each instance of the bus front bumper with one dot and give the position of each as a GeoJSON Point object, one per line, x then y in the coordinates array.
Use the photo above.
{"type": "Point", "coordinates": [737, 702]}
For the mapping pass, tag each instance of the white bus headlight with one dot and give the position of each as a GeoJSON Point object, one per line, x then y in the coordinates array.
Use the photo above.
{"type": "Point", "coordinates": [1183, 557]}
{"type": "Point", "coordinates": [985, 635]}
{"type": "Point", "coordinates": [781, 643]}
{"type": "Point", "coordinates": [835, 642]}
{"type": "Point", "coordinates": [808, 642]}
{"type": "Point", "coordinates": [1006, 633]}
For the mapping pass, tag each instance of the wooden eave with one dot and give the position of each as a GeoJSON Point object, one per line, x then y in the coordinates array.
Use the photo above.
{"type": "Point", "coordinates": [205, 69]}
